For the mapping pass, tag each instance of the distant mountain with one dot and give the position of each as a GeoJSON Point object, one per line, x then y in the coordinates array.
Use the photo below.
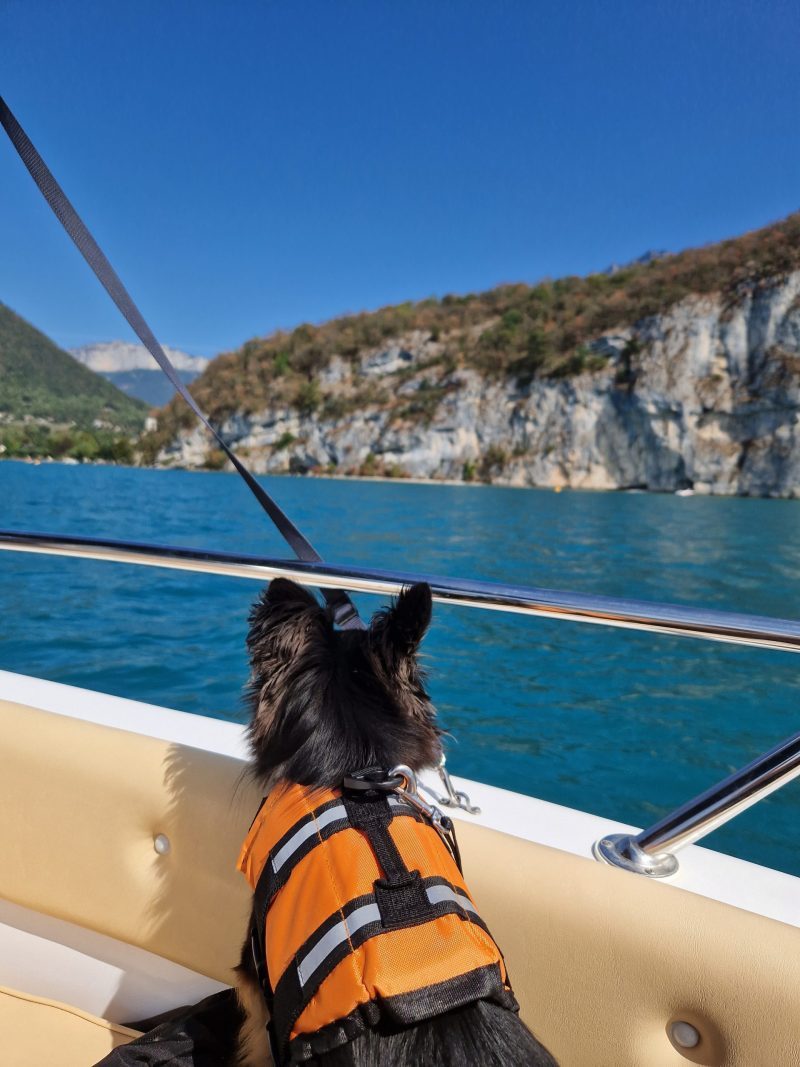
{"type": "Point", "coordinates": [133, 370]}
{"type": "Point", "coordinates": [51, 405]}
{"type": "Point", "coordinates": [109, 357]}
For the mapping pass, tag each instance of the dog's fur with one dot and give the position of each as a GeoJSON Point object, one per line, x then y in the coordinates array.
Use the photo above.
{"type": "Point", "coordinates": [325, 702]}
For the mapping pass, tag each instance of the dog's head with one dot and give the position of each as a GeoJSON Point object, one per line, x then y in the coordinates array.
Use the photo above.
{"type": "Point", "coordinates": [325, 702]}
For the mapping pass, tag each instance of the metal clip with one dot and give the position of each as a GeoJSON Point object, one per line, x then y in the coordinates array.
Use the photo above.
{"type": "Point", "coordinates": [454, 797]}
{"type": "Point", "coordinates": [410, 793]}
{"type": "Point", "coordinates": [442, 824]}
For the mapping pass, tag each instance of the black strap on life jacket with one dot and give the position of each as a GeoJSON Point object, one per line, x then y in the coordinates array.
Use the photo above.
{"type": "Point", "coordinates": [344, 611]}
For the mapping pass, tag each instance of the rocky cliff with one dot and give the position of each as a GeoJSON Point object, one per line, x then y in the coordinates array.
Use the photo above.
{"type": "Point", "coordinates": [703, 395]}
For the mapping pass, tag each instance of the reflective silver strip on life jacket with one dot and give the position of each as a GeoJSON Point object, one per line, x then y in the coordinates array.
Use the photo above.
{"type": "Point", "coordinates": [319, 822]}
{"type": "Point", "coordinates": [369, 913]}
{"type": "Point", "coordinates": [437, 893]}
{"type": "Point", "coordinates": [305, 832]}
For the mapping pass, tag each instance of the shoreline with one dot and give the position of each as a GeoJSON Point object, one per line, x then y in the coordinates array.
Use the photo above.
{"type": "Point", "coordinates": [50, 462]}
{"type": "Point", "coordinates": [383, 479]}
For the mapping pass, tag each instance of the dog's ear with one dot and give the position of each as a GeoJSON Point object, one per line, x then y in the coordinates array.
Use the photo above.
{"type": "Point", "coordinates": [289, 595]}
{"type": "Point", "coordinates": [283, 622]}
{"type": "Point", "coordinates": [396, 633]}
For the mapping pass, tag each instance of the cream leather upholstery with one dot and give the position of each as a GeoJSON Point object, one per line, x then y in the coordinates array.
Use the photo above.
{"type": "Point", "coordinates": [602, 961]}
{"type": "Point", "coordinates": [35, 1032]}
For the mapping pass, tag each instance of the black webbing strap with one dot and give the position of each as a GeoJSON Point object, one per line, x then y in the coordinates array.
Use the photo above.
{"type": "Point", "coordinates": [345, 612]}
{"type": "Point", "coordinates": [329, 818]}
{"type": "Point", "coordinates": [400, 894]}
{"type": "Point", "coordinates": [372, 816]}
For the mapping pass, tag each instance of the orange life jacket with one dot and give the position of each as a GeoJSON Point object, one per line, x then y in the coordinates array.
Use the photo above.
{"type": "Point", "coordinates": [361, 915]}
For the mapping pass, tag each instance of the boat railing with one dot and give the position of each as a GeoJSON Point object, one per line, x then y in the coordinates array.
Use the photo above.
{"type": "Point", "coordinates": [651, 852]}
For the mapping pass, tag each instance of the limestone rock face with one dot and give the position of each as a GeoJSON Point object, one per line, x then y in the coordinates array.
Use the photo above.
{"type": "Point", "coordinates": [705, 396]}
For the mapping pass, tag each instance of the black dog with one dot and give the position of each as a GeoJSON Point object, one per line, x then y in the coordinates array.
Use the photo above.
{"type": "Point", "coordinates": [323, 703]}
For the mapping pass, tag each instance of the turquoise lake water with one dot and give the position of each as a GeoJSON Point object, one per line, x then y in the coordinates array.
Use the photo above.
{"type": "Point", "coordinates": [622, 724]}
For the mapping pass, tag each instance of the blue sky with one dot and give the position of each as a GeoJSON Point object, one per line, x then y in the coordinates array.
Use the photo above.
{"type": "Point", "coordinates": [251, 165]}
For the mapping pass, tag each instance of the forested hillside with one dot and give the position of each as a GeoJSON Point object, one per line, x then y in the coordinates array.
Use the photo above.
{"type": "Point", "coordinates": [51, 405]}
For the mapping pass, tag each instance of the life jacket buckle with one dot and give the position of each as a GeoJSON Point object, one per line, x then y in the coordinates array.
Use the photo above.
{"type": "Point", "coordinates": [372, 779]}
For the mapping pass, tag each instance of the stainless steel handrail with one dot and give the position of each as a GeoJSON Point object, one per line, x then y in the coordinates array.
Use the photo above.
{"type": "Point", "coordinates": [652, 851]}
{"type": "Point", "coordinates": [727, 626]}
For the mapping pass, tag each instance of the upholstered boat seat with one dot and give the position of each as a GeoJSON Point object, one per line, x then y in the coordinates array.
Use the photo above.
{"type": "Point", "coordinates": [35, 1032]}
{"type": "Point", "coordinates": [137, 839]}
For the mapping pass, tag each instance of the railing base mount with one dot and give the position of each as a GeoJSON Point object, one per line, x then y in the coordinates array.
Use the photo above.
{"type": "Point", "coordinates": [621, 850]}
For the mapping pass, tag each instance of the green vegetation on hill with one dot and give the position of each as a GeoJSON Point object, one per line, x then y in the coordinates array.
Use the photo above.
{"type": "Point", "coordinates": [524, 331]}
{"type": "Point", "coordinates": [38, 440]}
{"type": "Point", "coordinates": [39, 379]}
{"type": "Point", "coordinates": [51, 405]}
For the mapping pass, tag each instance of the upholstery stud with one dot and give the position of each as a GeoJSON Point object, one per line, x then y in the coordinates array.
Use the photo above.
{"type": "Point", "coordinates": [162, 845]}
{"type": "Point", "coordinates": [684, 1035]}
